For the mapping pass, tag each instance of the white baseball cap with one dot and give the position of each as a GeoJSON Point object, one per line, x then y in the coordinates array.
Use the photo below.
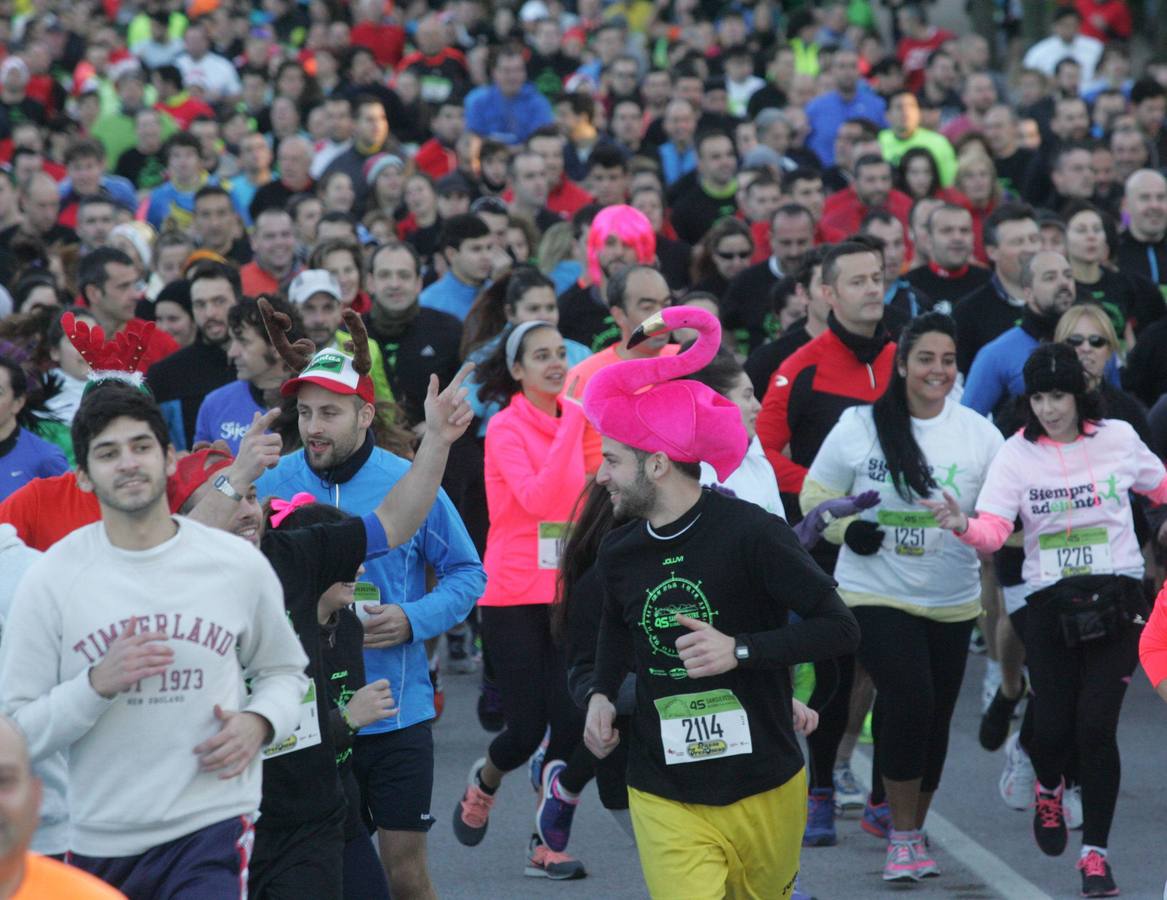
{"type": "Point", "coordinates": [332, 370]}
{"type": "Point", "coordinates": [311, 282]}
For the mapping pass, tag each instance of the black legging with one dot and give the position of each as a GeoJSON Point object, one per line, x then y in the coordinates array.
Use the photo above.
{"type": "Point", "coordinates": [532, 681]}
{"type": "Point", "coordinates": [917, 665]}
{"type": "Point", "coordinates": [831, 699]}
{"type": "Point", "coordinates": [1078, 694]}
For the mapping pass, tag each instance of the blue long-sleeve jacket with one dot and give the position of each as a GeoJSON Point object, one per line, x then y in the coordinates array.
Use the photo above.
{"type": "Point", "coordinates": [442, 542]}
{"type": "Point", "coordinates": [509, 120]}
{"type": "Point", "coordinates": [997, 371]}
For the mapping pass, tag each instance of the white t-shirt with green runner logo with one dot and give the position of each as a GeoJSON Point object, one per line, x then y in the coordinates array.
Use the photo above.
{"type": "Point", "coordinates": [919, 564]}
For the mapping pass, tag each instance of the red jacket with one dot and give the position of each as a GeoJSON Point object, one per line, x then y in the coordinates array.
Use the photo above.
{"type": "Point", "coordinates": [566, 198]}
{"type": "Point", "coordinates": [809, 393]}
{"type": "Point", "coordinates": [386, 41]}
{"type": "Point", "coordinates": [1106, 20]}
{"type": "Point", "coordinates": [435, 159]}
{"type": "Point", "coordinates": [843, 211]}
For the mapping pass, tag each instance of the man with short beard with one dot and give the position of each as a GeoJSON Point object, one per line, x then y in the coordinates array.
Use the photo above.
{"type": "Point", "coordinates": [300, 847]}
{"type": "Point", "coordinates": [1048, 282]}
{"type": "Point", "coordinates": [341, 465]}
{"type": "Point", "coordinates": [183, 379]}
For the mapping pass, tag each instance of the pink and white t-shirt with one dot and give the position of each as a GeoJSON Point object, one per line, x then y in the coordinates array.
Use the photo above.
{"type": "Point", "coordinates": [1073, 502]}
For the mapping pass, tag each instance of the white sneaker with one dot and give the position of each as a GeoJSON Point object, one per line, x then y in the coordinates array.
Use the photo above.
{"type": "Point", "coordinates": [1072, 806]}
{"type": "Point", "coordinates": [990, 683]}
{"type": "Point", "coordinates": [1018, 780]}
{"type": "Point", "coordinates": [849, 794]}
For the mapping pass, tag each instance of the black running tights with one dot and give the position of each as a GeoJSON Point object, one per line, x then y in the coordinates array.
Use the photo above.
{"type": "Point", "coordinates": [532, 681]}
{"type": "Point", "coordinates": [917, 666]}
{"type": "Point", "coordinates": [1078, 694]}
{"type": "Point", "coordinates": [831, 699]}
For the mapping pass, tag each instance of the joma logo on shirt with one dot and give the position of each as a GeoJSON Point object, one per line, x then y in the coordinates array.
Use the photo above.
{"type": "Point", "coordinates": [207, 634]}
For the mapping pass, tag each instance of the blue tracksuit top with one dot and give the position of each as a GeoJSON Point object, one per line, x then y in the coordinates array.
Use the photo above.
{"type": "Point", "coordinates": [226, 414]}
{"type": "Point", "coordinates": [996, 373]}
{"type": "Point", "coordinates": [442, 542]}
{"type": "Point", "coordinates": [30, 457]}
{"type": "Point", "coordinates": [509, 120]}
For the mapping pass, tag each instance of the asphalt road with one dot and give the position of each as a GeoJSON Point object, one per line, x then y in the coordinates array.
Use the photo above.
{"type": "Point", "coordinates": [984, 849]}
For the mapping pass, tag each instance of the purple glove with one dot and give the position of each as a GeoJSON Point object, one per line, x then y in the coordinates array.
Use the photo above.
{"type": "Point", "coordinates": [811, 528]}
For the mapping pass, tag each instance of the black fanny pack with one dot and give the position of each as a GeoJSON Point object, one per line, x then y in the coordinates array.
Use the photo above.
{"type": "Point", "coordinates": [1091, 608]}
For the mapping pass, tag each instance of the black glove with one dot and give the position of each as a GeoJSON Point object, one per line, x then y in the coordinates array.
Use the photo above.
{"type": "Point", "coordinates": [863, 537]}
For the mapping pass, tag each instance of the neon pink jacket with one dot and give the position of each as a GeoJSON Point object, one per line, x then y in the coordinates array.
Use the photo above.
{"type": "Point", "coordinates": [534, 474]}
{"type": "Point", "coordinates": [1153, 643]}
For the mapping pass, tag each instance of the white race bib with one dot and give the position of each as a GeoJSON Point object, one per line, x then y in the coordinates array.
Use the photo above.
{"type": "Point", "coordinates": [307, 733]}
{"type": "Point", "coordinates": [699, 727]}
{"type": "Point", "coordinates": [552, 538]}
{"type": "Point", "coordinates": [1083, 551]}
{"type": "Point", "coordinates": [913, 533]}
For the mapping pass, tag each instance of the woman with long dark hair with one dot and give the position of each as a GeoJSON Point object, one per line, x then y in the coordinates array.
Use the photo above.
{"type": "Point", "coordinates": [534, 473]}
{"type": "Point", "coordinates": [1068, 476]}
{"type": "Point", "coordinates": [914, 588]}
{"type": "Point", "coordinates": [524, 294]}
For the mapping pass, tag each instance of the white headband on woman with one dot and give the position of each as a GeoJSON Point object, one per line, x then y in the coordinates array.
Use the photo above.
{"type": "Point", "coordinates": [515, 338]}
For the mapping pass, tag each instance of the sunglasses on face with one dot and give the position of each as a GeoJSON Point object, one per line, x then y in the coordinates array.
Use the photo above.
{"type": "Point", "coordinates": [727, 255]}
{"type": "Point", "coordinates": [1096, 341]}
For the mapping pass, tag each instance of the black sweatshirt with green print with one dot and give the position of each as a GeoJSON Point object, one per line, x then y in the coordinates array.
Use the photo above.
{"type": "Point", "coordinates": [729, 563]}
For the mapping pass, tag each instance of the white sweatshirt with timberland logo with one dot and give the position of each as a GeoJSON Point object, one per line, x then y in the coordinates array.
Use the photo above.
{"type": "Point", "coordinates": [134, 779]}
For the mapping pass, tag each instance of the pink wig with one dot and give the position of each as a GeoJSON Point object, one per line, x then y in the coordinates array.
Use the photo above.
{"type": "Point", "coordinates": [628, 224]}
{"type": "Point", "coordinates": [636, 403]}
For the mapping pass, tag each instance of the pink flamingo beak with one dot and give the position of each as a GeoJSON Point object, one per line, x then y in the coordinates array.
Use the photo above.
{"type": "Point", "coordinates": [654, 324]}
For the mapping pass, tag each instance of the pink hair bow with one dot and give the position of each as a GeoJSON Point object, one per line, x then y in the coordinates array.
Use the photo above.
{"type": "Point", "coordinates": [281, 509]}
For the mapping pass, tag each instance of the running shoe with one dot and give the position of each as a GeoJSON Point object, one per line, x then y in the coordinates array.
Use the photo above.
{"type": "Point", "coordinates": [995, 721]}
{"type": "Point", "coordinates": [535, 765]}
{"type": "Point", "coordinates": [556, 809]}
{"type": "Point", "coordinates": [1018, 779]}
{"type": "Point", "coordinates": [820, 819]}
{"type": "Point", "coordinates": [1072, 806]}
{"type": "Point", "coordinates": [900, 864]}
{"type": "Point", "coordinates": [439, 690]}
{"type": "Point", "coordinates": [876, 819]}
{"type": "Point", "coordinates": [849, 794]}
{"type": "Point", "coordinates": [1049, 822]}
{"type": "Point", "coordinates": [542, 862]}
{"type": "Point", "coordinates": [459, 660]}
{"type": "Point", "coordinates": [490, 715]}
{"type": "Point", "coordinates": [798, 893]}
{"type": "Point", "coordinates": [472, 814]}
{"type": "Point", "coordinates": [925, 865]}
{"type": "Point", "coordinates": [1097, 879]}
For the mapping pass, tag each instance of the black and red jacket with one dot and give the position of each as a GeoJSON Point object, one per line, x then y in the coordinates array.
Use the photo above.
{"type": "Point", "coordinates": [811, 389]}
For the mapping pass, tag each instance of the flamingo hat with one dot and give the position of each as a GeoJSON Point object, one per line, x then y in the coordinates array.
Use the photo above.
{"type": "Point", "coordinates": [637, 403]}
{"type": "Point", "coordinates": [628, 224]}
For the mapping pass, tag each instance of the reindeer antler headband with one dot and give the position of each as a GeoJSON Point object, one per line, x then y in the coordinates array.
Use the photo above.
{"type": "Point", "coordinates": [115, 359]}
{"type": "Point", "coordinates": [329, 368]}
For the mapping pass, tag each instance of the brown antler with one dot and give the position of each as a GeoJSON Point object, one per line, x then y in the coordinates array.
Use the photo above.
{"type": "Point", "coordinates": [297, 355]}
{"type": "Point", "coordinates": [359, 345]}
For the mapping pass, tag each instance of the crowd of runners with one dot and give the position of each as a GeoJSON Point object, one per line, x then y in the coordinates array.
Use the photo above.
{"type": "Point", "coordinates": [708, 380]}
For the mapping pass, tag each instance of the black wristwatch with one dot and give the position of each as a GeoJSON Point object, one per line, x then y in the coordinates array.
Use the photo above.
{"type": "Point", "coordinates": [742, 648]}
